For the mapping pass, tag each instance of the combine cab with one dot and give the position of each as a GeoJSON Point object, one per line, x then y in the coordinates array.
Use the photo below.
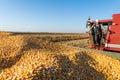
{"type": "Point", "coordinates": [111, 39]}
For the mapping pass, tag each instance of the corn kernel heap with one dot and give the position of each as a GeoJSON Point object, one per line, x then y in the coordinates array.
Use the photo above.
{"type": "Point", "coordinates": [31, 58]}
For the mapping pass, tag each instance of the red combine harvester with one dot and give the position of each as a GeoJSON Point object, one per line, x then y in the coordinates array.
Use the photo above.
{"type": "Point", "coordinates": [111, 39]}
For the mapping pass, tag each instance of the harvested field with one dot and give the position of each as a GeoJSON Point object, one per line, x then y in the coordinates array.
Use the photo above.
{"type": "Point", "coordinates": [51, 57]}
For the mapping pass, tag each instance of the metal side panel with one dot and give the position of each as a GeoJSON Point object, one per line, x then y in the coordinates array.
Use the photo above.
{"type": "Point", "coordinates": [113, 38]}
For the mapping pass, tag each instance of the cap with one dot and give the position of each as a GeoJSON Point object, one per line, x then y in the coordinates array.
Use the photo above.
{"type": "Point", "coordinates": [88, 17]}
{"type": "Point", "coordinates": [96, 20]}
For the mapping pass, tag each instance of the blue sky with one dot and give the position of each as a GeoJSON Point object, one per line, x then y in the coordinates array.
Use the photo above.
{"type": "Point", "coordinates": [53, 15]}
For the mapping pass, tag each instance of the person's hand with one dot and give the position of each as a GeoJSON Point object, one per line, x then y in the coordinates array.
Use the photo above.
{"type": "Point", "coordinates": [88, 23]}
{"type": "Point", "coordinates": [87, 31]}
{"type": "Point", "coordinates": [105, 30]}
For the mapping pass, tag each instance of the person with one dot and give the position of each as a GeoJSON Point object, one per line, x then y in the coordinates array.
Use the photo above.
{"type": "Point", "coordinates": [98, 29]}
{"type": "Point", "coordinates": [88, 23]}
{"type": "Point", "coordinates": [91, 30]}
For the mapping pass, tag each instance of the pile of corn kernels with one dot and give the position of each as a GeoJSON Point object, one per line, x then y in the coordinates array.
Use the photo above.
{"type": "Point", "coordinates": [31, 58]}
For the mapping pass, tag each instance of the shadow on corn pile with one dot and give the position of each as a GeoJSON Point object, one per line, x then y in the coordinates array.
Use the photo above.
{"type": "Point", "coordinates": [80, 70]}
{"type": "Point", "coordinates": [28, 44]}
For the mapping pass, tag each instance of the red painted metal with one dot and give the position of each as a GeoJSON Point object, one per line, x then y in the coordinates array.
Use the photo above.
{"type": "Point", "coordinates": [113, 34]}
{"type": "Point", "coordinates": [104, 21]}
{"type": "Point", "coordinates": [113, 38]}
{"type": "Point", "coordinates": [116, 18]}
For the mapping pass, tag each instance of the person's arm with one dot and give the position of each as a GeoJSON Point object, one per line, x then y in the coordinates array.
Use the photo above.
{"type": "Point", "coordinates": [92, 26]}
{"type": "Point", "coordinates": [87, 24]}
{"type": "Point", "coordinates": [103, 28]}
